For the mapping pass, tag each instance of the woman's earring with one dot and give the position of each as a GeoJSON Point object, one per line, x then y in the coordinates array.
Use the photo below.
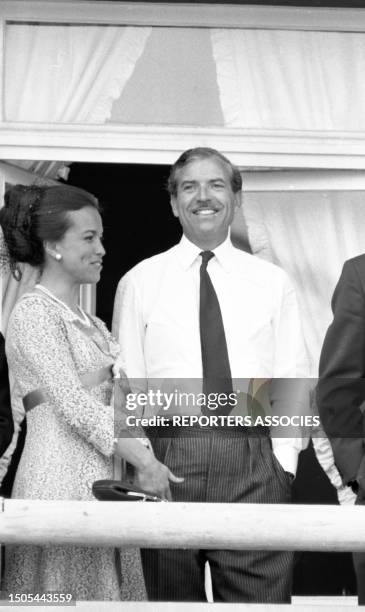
{"type": "Point", "coordinates": [58, 256]}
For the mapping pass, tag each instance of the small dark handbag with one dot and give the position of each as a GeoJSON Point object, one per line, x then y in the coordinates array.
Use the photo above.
{"type": "Point", "coordinates": [118, 490]}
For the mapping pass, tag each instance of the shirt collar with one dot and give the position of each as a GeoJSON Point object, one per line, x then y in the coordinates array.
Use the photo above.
{"type": "Point", "coordinates": [189, 252]}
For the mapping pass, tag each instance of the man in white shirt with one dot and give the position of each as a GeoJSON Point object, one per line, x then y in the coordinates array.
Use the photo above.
{"type": "Point", "coordinates": [159, 323]}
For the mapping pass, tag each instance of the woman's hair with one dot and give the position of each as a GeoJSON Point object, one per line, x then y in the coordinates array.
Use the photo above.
{"type": "Point", "coordinates": [33, 214]}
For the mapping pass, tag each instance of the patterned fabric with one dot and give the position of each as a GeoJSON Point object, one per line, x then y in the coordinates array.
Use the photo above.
{"type": "Point", "coordinates": [69, 445]}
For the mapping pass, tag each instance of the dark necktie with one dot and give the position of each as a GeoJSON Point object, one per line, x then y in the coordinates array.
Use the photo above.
{"type": "Point", "coordinates": [216, 369]}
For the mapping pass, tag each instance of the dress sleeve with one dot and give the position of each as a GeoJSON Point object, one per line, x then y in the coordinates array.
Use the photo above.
{"type": "Point", "coordinates": [38, 340]}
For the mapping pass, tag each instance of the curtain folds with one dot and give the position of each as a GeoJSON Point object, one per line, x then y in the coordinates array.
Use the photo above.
{"type": "Point", "coordinates": [301, 80]}
{"type": "Point", "coordinates": [267, 79]}
{"type": "Point", "coordinates": [310, 235]}
{"type": "Point", "coordinates": [48, 170]}
{"type": "Point", "coordinates": [68, 74]}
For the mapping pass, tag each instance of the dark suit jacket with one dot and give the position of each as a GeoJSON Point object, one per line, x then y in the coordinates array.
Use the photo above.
{"type": "Point", "coordinates": [341, 386]}
{"type": "Point", "coordinates": [6, 419]}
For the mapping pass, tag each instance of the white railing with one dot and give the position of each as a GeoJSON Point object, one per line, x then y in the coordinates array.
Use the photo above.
{"type": "Point", "coordinates": [183, 525]}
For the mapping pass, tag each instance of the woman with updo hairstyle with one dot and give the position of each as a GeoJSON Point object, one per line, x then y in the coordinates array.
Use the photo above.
{"type": "Point", "coordinates": [62, 361]}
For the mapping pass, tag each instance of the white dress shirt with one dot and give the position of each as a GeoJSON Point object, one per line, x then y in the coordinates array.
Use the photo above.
{"type": "Point", "coordinates": [156, 317]}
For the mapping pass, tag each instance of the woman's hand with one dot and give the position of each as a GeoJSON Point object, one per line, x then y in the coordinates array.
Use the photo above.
{"type": "Point", "coordinates": [121, 385]}
{"type": "Point", "coordinates": [151, 474]}
{"type": "Point", "coordinates": [155, 477]}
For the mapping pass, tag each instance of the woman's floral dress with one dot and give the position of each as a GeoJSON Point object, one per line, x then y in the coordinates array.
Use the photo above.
{"type": "Point", "coordinates": [69, 445]}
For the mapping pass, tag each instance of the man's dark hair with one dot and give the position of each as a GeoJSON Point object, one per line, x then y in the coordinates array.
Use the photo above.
{"type": "Point", "coordinates": [203, 153]}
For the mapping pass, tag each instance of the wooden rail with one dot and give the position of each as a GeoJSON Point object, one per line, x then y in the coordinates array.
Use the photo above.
{"type": "Point", "coordinates": [183, 525]}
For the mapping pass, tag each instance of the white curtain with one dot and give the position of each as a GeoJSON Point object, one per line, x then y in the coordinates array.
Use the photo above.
{"type": "Point", "coordinates": [68, 74]}
{"type": "Point", "coordinates": [310, 235]}
{"type": "Point", "coordinates": [300, 80]}
{"type": "Point", "coordinates": [46, 169]}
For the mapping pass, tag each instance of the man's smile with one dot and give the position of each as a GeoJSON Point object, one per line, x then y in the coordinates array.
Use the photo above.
{"type": "Point", "coordinates": [206, 211]}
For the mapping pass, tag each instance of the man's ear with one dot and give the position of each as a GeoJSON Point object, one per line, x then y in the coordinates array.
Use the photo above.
{"type": "Point", "coordinates": [238, 198]}
{"type": "Point", "coordinates": [174, 206]}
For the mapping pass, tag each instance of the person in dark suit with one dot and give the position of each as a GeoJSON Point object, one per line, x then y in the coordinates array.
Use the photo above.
{"type": "Point", "coordinates": [341, 386]}
{"type": "Point", "coordinates": [6, 419]}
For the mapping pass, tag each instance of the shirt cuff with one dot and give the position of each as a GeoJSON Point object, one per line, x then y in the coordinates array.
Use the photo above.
{"type": "Point", "coordinates": [287, 455]}
{"type": "Point", "coordinates": [345, 495]}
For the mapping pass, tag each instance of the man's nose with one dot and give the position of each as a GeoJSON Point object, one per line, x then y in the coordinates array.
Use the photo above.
{"type": "Point", "coordinates": [203, 193]}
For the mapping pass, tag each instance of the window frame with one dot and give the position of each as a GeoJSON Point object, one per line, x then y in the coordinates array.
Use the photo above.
{"type": "Point", "coordinates": [161, 144]}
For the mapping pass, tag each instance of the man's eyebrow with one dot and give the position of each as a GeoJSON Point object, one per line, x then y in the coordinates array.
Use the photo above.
{"type": "Point", "coordinates": [211, 180]}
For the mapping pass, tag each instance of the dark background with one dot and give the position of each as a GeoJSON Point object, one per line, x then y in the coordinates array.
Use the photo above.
{"type": "Point", "coordinates": [137, 219]}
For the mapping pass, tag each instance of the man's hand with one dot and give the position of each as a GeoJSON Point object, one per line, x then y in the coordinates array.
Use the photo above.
{"type": "Point", "coordinates": [155, 477]}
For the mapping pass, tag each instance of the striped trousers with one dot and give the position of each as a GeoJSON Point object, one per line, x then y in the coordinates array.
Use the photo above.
{"type": "Point", "coordinates": [229, 465]}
